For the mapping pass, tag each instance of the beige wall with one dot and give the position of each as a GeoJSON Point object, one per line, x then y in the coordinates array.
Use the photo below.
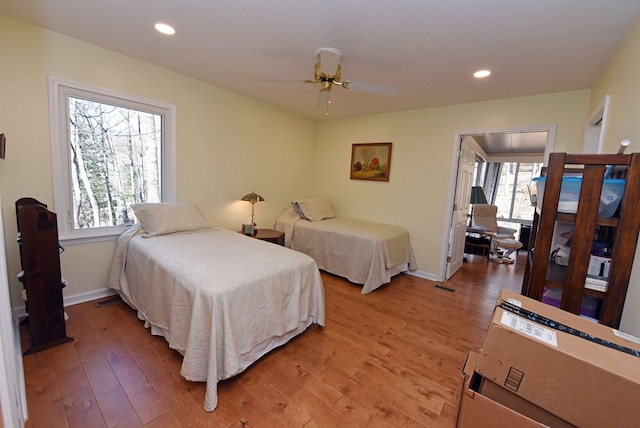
{"type": "Point", "coordinates": [227, 144]}
{"type": "Point", "coordinates": [621, 80]}
{"type": "Point", "coordinates": [423, 143]}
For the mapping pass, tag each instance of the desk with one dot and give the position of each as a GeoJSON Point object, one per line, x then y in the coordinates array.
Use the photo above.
{"type": "Point", "coordinates": [477, 242]}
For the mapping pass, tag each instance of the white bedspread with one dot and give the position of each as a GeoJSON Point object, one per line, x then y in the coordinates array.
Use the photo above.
{"type": "Point", "coordinates": [364, 252]}
{"type": "Point", "coordinates": [220, 298]}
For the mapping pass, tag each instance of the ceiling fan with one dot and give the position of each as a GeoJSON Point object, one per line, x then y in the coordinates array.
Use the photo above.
{"type": "Point", "coordinates": [327, 73]}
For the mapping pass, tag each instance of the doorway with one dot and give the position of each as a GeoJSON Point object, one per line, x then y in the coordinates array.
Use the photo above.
{"type": "Point", "coordinates": [595, 128]}
{"type": "Point", "coordinates": [521, 144]}
{"type": "Point", "coordinates": [12, 388]}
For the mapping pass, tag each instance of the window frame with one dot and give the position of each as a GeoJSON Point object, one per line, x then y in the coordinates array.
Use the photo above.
{"type": "Point", "coordinates": [59, 91]}
{"type": "Point", "coordinates": [514, 190]}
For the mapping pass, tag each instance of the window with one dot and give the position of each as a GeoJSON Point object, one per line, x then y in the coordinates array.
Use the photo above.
{"type": "Point", "coordinates": [108, 151]}
{"type": "Point", "coordinates": [512, 192]}
{"type": "Point", "coordinates": [479, 171]}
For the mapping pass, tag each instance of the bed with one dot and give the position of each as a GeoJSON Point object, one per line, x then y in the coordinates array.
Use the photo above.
{"type": "Point", "coordinates": [364, 252]}
{"type": "Point", "coordinates": [218, 297]}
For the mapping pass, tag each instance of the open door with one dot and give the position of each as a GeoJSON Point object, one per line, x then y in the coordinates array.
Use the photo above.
{"type": "Point", "coordinates": [488, 144]}
{"type": "Point", "coordinates": [460, 213]}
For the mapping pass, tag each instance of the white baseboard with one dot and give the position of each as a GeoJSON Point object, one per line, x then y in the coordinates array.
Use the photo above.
{"type": "Point", "coordinates": [20, 312]}
{"type": "Point", "coordinates": [421, 274]}
{"type": "Point", "coordinates": [75, 299]}
{"type": "Point", "coordinates": [88, 296]}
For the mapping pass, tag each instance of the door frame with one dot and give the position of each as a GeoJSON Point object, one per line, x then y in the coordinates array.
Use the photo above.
{"type": "Point", "coordinates": [455, 153]}
{"type": "Point", "coordinates": [595, 128]}
{"type": "Point", "coordinates": [12, 391]}
{"type": "Point", "coordinates": [461, 202]}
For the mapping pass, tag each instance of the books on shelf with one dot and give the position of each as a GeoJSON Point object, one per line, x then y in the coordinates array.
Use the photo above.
{"type": "Point", "coordinates": [597, 283]}
{"type": "Point", "coordinates": [598, 273]}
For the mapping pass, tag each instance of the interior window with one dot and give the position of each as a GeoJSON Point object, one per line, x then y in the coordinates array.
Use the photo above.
{"type": "Point", "coordinates": [479, 171]}
{"type": "Point", "coordinates": [512, 191]}
{"type": "Point", "coordinates": [110, 151]}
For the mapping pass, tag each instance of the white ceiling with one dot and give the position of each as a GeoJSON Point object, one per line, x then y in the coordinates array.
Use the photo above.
{"type": "Point", "coordinates": [426, 48]}
{"type": "Point", "coordinates": [516, 143]}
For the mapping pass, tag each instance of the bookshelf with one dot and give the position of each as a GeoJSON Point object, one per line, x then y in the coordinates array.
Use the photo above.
{"type": "Point", "coordinates": [620, 233]}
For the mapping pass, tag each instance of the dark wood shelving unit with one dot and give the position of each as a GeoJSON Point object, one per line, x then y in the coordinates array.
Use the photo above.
{"type": "Point", "coordinates": [620, 233]}
{"type": "Point", "coordinates": [41, 279]}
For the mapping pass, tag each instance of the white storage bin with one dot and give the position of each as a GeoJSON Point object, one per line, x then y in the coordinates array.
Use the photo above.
{"type": "Point", "coordinates": [610, 197]}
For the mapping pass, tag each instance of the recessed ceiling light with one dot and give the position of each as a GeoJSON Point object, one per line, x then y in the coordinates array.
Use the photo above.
{"type": "Point", "coordinates": [481, 73]}
{"type": "Point", "coordinates": [165, 29]}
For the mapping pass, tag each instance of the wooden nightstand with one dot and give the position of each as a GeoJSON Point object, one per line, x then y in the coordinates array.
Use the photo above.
{"type": "Point", "coordinates": [270, 235]}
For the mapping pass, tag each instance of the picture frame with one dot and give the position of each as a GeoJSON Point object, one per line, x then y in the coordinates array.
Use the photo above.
{"type": "Point", "coordinates": [371, 161]}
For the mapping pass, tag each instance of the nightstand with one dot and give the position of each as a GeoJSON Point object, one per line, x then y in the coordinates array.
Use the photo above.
{"type": "Point", "coordinates": [270, 235]}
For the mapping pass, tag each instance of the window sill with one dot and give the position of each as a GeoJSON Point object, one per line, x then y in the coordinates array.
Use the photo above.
{"type": "Point", "coordinates": [88, 239]}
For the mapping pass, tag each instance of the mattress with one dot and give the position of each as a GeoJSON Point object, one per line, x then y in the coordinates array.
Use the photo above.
{"type": "Point", "coordinates": [218, 297]}
{"type": "Point", "coordinates": [364, 252]}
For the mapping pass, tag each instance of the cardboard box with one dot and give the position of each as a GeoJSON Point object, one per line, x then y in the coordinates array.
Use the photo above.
{"type": "Point", "coordinates": [515, 402]}
{"type": "Point", "coordinates": [584, 383]}
{"type": "Point", "coordinates": [478, 411]}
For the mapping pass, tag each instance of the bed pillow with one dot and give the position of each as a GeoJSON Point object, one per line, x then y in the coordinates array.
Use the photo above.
{"type": "Point", "coordinates": [296, 207]}
{"type": "Point", "coordinates": [316, 209]}
{"type": "Point", "coordinates": [169, 217]}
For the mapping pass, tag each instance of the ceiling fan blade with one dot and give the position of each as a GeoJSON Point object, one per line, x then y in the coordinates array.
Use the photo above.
{"type": "Point", "coordinates": [373, 88]}
{"type": "Point", "coordinates": [324, 100]}
{"type": "Point", "coordinates": [329, 60]}
{"type": "Point", "coordinates": [327, 71]}
{"type": "Point", "coordinates": [284, 80]}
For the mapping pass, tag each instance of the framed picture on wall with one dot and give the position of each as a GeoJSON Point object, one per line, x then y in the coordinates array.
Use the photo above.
{"type": "Point", "coordinates": [371, 161]}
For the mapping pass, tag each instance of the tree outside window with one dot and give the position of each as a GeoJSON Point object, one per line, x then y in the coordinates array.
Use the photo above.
{"type": "Point", "coordinates": [512, 193]}
{"type": "Point", "coordinates": [109, 151]}
{"type": "Point", "coordinates": [116, 157]}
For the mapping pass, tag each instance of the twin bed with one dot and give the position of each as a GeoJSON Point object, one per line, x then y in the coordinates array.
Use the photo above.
{"type": "Point", "coordinates": [364, 252]}
{"type": "Point", "coordinates": [218, 297]}
{"type": "Point", "coordinates": [223, 299]}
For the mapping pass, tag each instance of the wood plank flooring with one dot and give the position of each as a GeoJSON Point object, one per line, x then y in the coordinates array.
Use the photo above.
{"type": "Point", "coordinates": [391, 358]}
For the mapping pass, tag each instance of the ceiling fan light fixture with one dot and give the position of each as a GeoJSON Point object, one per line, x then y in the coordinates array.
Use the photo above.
{"type": "Point", "coordinates": [329, 61]}
{"type": "Point", "coordinates": [333, 51]}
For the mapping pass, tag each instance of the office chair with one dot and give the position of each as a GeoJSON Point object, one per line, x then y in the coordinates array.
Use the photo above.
{"type": "Point", "coordinates": [503, 240]}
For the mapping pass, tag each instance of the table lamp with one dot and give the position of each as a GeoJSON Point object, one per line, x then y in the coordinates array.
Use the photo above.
{"type": "Point", "coordinates": [254, 198]}
{"type": "Point", "coordinates": [477, 197]}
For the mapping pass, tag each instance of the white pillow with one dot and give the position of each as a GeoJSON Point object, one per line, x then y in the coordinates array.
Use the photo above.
{"type": "Point", "coordinates": [169, 217]}
{"type": "Point", "coordinates": [316, 209]}
{"type": "Point", "coordinates": [296, 207]}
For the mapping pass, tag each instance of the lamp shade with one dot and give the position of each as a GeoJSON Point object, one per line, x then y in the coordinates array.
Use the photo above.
{"type": "Point", "coordinates": [477, 196]}
{"type": "Point", "coordinates": [252, 197]}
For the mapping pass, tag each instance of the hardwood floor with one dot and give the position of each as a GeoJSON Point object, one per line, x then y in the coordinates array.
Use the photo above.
{"type": "Point", "coordinates": [391, 358]}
